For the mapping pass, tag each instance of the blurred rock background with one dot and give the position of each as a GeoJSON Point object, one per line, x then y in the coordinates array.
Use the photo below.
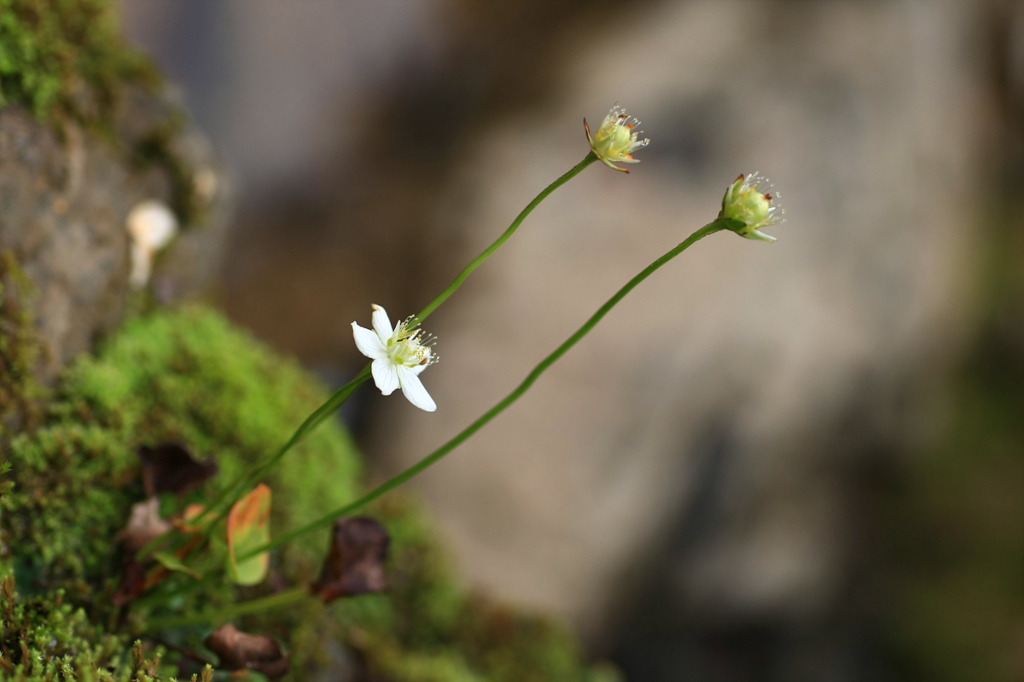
{"type": "Point", "coordinates": [802, 461]}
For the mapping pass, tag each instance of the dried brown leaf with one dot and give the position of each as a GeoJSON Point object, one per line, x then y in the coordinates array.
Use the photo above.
{"type": "Point", "coordinates": [144, 526]}
{"type": "Point", "coordinates": [170, 468]}
{"type": "Point", "coordinates": [355, 561]}
{"type": "Point", "coordinates": [239, 650]}
{"type": "Point", "coordinates": [133, 584]}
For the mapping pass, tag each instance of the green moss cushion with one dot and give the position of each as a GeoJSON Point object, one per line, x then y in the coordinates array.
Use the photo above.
{"type": "Point", "coordinates": [189, 375]}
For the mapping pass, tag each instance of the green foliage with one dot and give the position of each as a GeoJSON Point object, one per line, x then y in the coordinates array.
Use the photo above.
{"type": "Point", "coordinates": [67, 59]}
{"type": "Point", "coordinates": [18, 348]}
{"type": "Point", "coordinates": [188, 375]}
{"type": "Point", "coordinates": [65, 56]}
{"type": "Point", "coordinates": [75, 649]}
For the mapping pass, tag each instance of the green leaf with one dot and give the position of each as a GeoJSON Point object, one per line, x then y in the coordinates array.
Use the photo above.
{"type": "Point", "coordinates": [173, 563]}
{"type": "Point", "coordinates": [249, 528]}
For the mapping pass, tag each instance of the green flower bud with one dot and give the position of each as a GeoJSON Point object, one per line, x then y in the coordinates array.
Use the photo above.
{"type": "Point", "coordinates": [616, 139]}
{"type": "Point", "coordinates": [748, 205]}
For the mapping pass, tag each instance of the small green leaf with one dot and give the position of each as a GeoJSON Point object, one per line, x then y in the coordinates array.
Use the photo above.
{"type": "Point", "coordinates": [249, 528]}
{"type": "Point", "coordinates": [173, 563]}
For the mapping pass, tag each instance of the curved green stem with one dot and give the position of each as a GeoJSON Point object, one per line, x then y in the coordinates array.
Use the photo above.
{"type": "Point", "coordinates": [311, 422]}
{"type": "Point", "coordinates": [234, 491]}
{"type": "Point", "coordinates": [551, 359]}
{"type": "Point", "coordinates": [572, 173]}
{"type": "Point", "coordinates": [272, 601]}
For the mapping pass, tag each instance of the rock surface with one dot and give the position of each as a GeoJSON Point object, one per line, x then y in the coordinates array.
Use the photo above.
{"type": "Point", "coordinates": [709, 428]}
{"type": "Point", "coordinates": [64, 197]}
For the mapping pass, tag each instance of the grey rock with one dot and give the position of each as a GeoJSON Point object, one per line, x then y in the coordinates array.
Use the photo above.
{"type": "Point", "coordinates": [64, 196]}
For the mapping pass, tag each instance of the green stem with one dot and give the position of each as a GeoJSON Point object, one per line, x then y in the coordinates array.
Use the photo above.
{"type": "Point", "coordinates": [233, 492]}
{"type": "Point", "coordinates": [439, 453]}
{"type": "Point", "coordinates": [311, 422]}
{"type": "Point", "coordinates": [224, 615]}
{"type": "Point", "coordinates": [572, 173]}
{"type": "Point", "coordinates": [256, 472]}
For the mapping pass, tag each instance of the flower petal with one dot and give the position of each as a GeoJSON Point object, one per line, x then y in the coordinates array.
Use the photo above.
{"type": "Point", "coordinates": [368, 343]}
{"type": "Point", "coordinates": [413, 389]}
{"type": "Point", "coordinates": [613, 166]}
{"type": "Point", "coordinates": [758, 235]}
{"type": "Point", "coordinates": [382, 324]}
{"type": "Point", "coordinates": [385, 375]}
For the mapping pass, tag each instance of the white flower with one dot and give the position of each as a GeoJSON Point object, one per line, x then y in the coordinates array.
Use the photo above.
{"type": "Point", "coordinates": [615, 139]}
{"type": "Point", "coordinates": [749, 205]}
{"type": "Point", "coordinates": [399, 355]}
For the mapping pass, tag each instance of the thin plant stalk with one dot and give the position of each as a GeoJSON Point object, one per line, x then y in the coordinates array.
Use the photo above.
{"type": "Point", "coordinates": [229, 613]}
{"type": "Point", "coordinates": [234, 491]}
{"type": "Point", "coordinates": [461, 437]}
{"type": "Point", "coordinates": [478, 261]}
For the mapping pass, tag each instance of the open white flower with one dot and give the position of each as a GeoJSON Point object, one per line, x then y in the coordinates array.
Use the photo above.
{"type": "Point", "coordinates": [399, 355]}
{"type": "Point", "coordinates": [615, 139]}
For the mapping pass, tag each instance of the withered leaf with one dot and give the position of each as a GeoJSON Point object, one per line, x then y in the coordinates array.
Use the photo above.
{"type": "Point", "coordinates": [170, 468]}
{"type": "Point", "coordinates": [144, 526]}
{"type": "Point", "coordinates": [239, 650]}
{"type": "Point", "coordinates": [133, 584]}
{"type": "Point", "coordinates": [249, 529]}
{"type": "Point", "coordinates": [355, 561]}
{"type": "Point", "coordinates": [192, 513]}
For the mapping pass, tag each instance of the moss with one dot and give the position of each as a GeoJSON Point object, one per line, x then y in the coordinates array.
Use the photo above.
{"type": "Point", "coordinates": [67, 60]}
{"type": "Point", "coordinates": [189, 375]}
{"type": "Point", "coordinates": [74, 648]}
{"type": "Point", "coordinates": [19, 394]}
{"type": "Point", "coordinates": [157, 148]}
{"type": "Point", "coordinates": [65, 57]}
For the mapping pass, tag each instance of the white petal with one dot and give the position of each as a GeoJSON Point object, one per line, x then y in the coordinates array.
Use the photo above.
{"type": "Point", "coordinates": [413, 389]}
{"type": "Point", "coordinates": [759, 236]}
{"type": "Point", "coordinates": [385, 375]}
{"type": "Point", "coordinates": [368, 343]}
{"type": "Point", "coordinates": [382, 324]}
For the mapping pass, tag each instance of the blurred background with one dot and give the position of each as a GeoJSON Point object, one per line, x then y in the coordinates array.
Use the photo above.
{"type": "Point", "coordinates": [799, 461]}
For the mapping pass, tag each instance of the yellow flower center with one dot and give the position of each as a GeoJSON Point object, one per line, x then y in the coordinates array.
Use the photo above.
{"type": "Point", "coordinates": [748, 206]}
{"type": "Point", "coordinates": [611, 141]}
{"type": "Point", "coordinates": [406, 347]}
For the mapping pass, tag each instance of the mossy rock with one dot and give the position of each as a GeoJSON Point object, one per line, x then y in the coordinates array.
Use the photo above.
{"type": "Point", "coordinates": [66, 57]}
{"type": "Point", "coordinates": [188, 375]}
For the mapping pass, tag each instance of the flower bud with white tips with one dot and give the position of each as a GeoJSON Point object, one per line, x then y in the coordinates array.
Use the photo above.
{"type": "Point", "coordinates": [616, 139]}
{"type": "Point", "coordinates": [749, 205]}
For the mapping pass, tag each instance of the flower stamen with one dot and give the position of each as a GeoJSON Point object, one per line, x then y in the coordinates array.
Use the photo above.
{"type": "Point", "coordinates": [399, 355]}
{"type": "Point", "coordinates": [614, 142]}
{"type": "Point", "coordinates": [748, 206]}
